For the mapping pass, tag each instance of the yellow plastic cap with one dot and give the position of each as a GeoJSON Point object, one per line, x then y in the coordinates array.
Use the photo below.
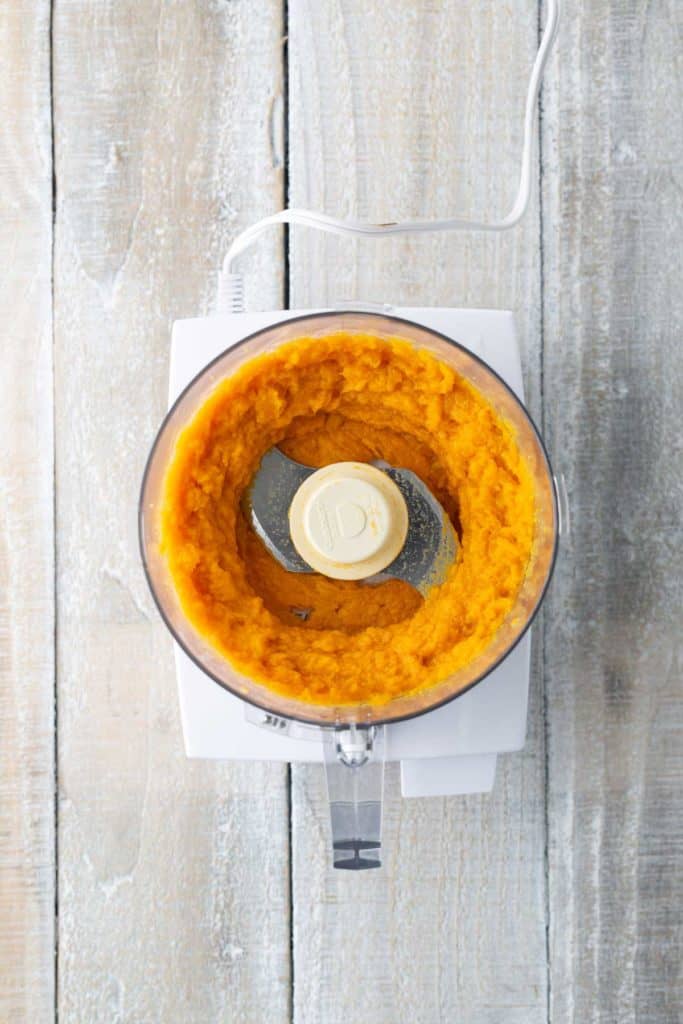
{"type": "Point", "coordinates": [348, 520]}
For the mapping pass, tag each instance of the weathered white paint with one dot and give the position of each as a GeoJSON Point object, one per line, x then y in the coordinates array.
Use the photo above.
{"type": "Point", "coordinates": [613, 390]}
{"type": "Point", "coordinates": [174, 875]}
{"type": "Point", "coordinates": [400, 110]}
{"type": "Point", "coordinates": [26, 519]}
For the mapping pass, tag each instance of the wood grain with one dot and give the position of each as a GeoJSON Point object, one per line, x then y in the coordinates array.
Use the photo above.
{"type": "Point", "coordinates": [174, 875]}
{"type": "Point", "coordinates": [27, 884]}
{"type": "Point", "coordinates": [613, 383]}
{"type": "Point", "coordinates": [400, 110]}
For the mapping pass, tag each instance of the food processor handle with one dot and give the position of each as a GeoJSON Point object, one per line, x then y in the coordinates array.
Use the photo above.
{"type": "Point", "coordinates": [354, 765]}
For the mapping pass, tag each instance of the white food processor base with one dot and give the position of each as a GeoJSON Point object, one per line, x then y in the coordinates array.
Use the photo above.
{"type": "Point", "coordinates": [449, 751]}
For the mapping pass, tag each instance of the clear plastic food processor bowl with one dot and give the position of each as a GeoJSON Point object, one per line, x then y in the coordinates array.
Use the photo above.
{"type": "Point", "coordinates": [470, 367]}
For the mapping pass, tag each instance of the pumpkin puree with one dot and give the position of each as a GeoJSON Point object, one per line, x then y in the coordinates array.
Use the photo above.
{"type": "Point", "coordinates": [331, 399]}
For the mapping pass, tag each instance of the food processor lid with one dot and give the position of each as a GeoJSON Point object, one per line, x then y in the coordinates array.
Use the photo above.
{"type": "Point", "coordinates": [476, 372]}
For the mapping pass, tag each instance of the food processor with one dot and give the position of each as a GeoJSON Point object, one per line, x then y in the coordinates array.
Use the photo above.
{"type": "Point", "coordinates": [447, 736]}
{"type": "Point", "coordinates": [443, 747]}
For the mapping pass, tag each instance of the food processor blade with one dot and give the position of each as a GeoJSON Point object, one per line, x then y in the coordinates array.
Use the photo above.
{"type": "Point", "coordinates": [430, 546]}
{"type": "Point", "coordinates": [267, 502]}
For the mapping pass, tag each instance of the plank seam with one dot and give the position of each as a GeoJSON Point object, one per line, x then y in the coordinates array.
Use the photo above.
{"type": "Point", "coordinates": [290, 811]}
{"type": "Point", "coordinates": [544, 697]}
{"type": "Point", "coordinates": [55, 713]}
{"type": "Point", "coordinates": [286, 292]}
{"type": "Point", "coordinates": [286, 299]}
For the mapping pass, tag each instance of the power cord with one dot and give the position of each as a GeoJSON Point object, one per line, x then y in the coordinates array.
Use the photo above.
{"type": "Point", "coordinates": [230, 294]}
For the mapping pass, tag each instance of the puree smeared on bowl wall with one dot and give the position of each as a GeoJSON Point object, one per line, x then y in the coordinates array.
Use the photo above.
{"type": "Point", "coordinates": [346, 397]}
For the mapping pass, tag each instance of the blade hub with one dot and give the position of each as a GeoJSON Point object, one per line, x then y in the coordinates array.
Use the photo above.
{"type": "Point", "coordinates": [348, 520]}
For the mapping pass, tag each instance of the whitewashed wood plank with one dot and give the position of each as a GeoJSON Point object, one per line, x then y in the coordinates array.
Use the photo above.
{"type": "Point", "coordinates": [27, 886]}
{"type": "Point", "coordinates": [174, 875]}
{"type": "Point", "coordinates": [613, 315]}
{"type": "Point", "coordinates": [400, 110]}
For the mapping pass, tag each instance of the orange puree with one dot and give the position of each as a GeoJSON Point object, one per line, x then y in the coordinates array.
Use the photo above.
{"type": "Point", "coordinates": [331, 399]}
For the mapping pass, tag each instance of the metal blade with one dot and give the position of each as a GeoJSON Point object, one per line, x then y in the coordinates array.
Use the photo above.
{"type": "Point", "coordinates": [431, 544]}
{"type": "Point", "coordinates": [268, 499]}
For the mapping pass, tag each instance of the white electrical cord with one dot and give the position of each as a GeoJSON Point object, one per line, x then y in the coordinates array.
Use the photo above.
{"type": "Point", "coordinates": [230, 285]}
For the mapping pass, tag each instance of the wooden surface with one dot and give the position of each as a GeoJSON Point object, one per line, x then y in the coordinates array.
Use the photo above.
{"type": "Point", "coordinates": [387, 122]}
{"type": "Point", "coordinates": [195, 892]}
{"type": "Point", "coordinates": [613, 394]}
{"type": "Point", "coordinates": [173, 875]}
{"type": "Point", "coordinates": [27, 762]}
